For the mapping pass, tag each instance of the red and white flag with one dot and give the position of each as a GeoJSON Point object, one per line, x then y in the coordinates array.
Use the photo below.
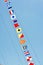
{"type": "Point", "coordinates": [29, 58]}
{"type": "Point", "coordinates": [27, 53]}
{"type": "Point", "coordinates": [11, 12]}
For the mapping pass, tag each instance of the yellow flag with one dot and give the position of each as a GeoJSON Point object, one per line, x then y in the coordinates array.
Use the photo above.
{"type": "Point", "coordinates": [21, 35]}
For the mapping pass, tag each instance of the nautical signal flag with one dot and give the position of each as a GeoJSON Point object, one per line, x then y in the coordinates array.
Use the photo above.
{"type": "Point", "coordinates": [9, 7]}
{"type": "Point", "coordinates": [18, 30]}
{"type": "Point", "coordinates": [11, 12]}
{"type": "Point", "coordinates": [16, 25]}
{"type": "Point", "coordinates": [15, 21]}
{"type": "Point", "coordinates": [5, 0]}
{"type": "Point", "coordinates": [13, 17]}
{"type": "Point", "coordinates": [29, 58]}
{"type": "Point", "coordinates": [26, 53]}
{"type": "Point", "coordinates": [25, 47]}
{"type": "Point", "coordinates": [31, 63]}
{"type": "Point", "coordinates": [21, 35]}
{"type": "Point", "coordinates": [22, 41]}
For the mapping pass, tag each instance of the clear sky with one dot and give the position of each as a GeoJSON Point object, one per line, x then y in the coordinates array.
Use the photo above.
{"type": "Point", "coordinates": [30, 17]}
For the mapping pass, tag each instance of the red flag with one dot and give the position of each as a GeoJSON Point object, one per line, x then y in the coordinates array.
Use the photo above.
{"type": "Point", "coordinates": [31, 63]}
{"type": "Point", "coordinates": [16, 25]}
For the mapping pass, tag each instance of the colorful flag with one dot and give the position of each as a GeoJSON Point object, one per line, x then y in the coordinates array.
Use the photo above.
{"type": "Point", "coordinates": [22, 41]}
{"type": "Point", "coordinates": [11, 12]}
{"type": "Point", "coordinates": [5, 0]}
{"type": "Point", "coordinates": [13, 17]}
{"type": "Point", "coordinates": [26, 53]}
{"type": "Point", "coordinates": [18, 30]}
{"type": "Point", "coordinates": [16, 25]}
{"type": "Point", "coordinates": [25, 47]}
{"type": "Point", "coordinates": [15, 21]}
{"type": "Point", "coordinates": [21, 35]}
{"type": "Point", "coordinates": [31, 63]}
{"type": "Point", "coordinates": [29, 58]}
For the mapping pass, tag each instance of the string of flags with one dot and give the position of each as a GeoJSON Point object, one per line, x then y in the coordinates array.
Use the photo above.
{"type": "Point", "coordinates": [20, 35]}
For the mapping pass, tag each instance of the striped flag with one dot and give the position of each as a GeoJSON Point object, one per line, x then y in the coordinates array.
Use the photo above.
{"type": "Point", "coordinates": [11, 12]}
{"type": "Point", "coordinates": [26, 53]}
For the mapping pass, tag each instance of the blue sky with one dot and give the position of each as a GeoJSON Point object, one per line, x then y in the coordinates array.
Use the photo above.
{"type": "Point", "coordinates": [30, 17]}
